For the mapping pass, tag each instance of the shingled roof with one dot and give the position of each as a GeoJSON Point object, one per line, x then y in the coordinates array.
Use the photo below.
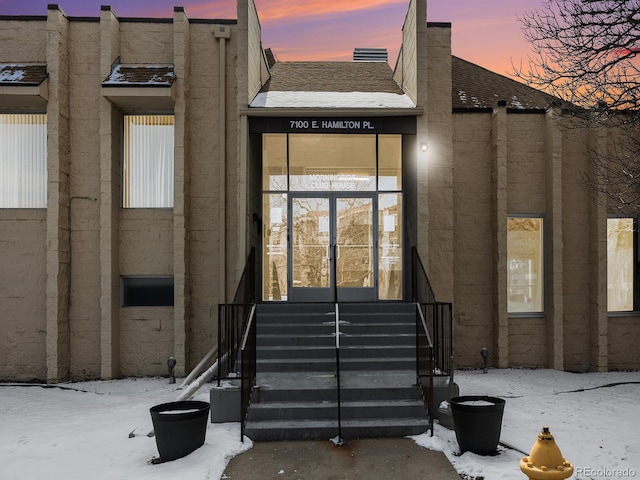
{"type": "Point", "coordinates": [331, 85]}
{"type": "Point", "coordinates": [332, 77]}
{"type": "Point", "coordinates": [22, 74]}
{"type": "Point", "coordinates": [474, 87]}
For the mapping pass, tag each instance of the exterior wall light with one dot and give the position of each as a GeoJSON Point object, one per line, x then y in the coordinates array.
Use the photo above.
{"type": "Point", "coordinates": [423, 147]}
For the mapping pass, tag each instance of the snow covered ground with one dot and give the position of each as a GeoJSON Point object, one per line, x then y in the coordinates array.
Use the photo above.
{"type": "Point", "coordinates": [82, 430]}
{"type": "Point", "coordinates": [594, 417]}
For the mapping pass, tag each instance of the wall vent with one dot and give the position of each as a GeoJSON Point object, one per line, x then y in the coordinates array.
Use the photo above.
{"type": "Point", "coordinates": [370, 55]}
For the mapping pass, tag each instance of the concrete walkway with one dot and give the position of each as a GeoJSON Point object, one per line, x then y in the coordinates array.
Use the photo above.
{"type": "Point", "coordinates": [379, 459]}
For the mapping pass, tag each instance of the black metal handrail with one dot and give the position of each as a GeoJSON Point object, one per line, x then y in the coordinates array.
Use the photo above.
{"type": "Point", "coordinates": [237, 337]}
{"type": "Point", "coordinates": [233, 319]}
{"type": "Point", "coordinates": [232, 323]}
{"type": "Point", "coordinates": [438, 316]}
{"type": "Point", "coordinates": [337, 312]}
{"type": "Point", "coordinates": [434, 333]}
{"type": "Point", "coordinates": [248, 353]}
{"type": "Point", "coordinates": [424, 363]}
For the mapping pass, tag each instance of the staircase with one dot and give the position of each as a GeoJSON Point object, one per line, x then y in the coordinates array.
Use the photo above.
{"type": "Point", "coordinates": [296, 396]}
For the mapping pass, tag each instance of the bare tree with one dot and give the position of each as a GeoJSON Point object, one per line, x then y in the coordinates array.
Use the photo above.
{"type": "Point", "coordinates": [585, 52]}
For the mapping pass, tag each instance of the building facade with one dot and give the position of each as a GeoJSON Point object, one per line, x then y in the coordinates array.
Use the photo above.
{"type": "Point", "coordinates": [142, 159]}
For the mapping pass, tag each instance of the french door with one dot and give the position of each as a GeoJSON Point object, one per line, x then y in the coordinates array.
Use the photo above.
{"type": "Point", "coordinates": [333, 247]}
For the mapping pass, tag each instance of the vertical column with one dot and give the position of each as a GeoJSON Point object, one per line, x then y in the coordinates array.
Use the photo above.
{"type": "Point", "coordinates": [109, 205]}
{"type": "Point", "coordinates": [222, 34]}
{"type": "Point", "coordinates": [58, 274]}
{"type": "Point", "coordinates": [439, 162]}
{"type": "Point", "coordinates": [554, 244]}
{"type": "Point", "coordinates": [500, 211]}
{"type": "Point", "coordinates": [416, 85]}
{"type": "Point", "coordinates": [182, 306]}
{"type": "Point", "coordinates": [599, 317]}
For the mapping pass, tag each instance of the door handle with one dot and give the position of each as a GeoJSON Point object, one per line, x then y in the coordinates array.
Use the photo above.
{"type": "Point", "coordinates": [337, 251]}
{"type": "Point", "coordinates": [328, 251]}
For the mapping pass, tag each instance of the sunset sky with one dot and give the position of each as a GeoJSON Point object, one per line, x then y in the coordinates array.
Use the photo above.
{"type": "Point", "coordinates": [485, 32]}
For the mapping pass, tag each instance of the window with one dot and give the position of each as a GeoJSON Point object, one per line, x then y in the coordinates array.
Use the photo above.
{"type": "Point", "coordinates": [23, 161]}
{"type": "Point", "coordinates": [622, 261]}
{"type": "Point", "coordinates": [524, 265]}
{"type": "Point", "coordinates": [147, 291]}
{"type": "Point", "coordinates": [148, 161]}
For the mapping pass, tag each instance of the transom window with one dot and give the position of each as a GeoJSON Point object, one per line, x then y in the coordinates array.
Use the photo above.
{"type": "Point", "coordinates": [148, 161]}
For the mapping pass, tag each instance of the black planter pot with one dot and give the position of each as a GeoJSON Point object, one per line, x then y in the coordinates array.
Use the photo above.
{"type": "Point", "coordinates": [179, 427]}
{"type": "Point", "coordinates": [477, 421]}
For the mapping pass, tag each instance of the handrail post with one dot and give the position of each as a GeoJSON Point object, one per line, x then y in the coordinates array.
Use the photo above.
{"type": "Point", "coordinates": [248, 368]}
{"type": "Point", "coordinates": [431, 390]}
{"type": "Point", "coordinates": [337, 312]}
{"type": "Point", "coordinates": [220, 323]}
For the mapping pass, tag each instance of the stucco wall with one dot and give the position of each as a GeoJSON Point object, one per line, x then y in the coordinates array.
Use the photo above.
{"type": "Point", "coordinates": [473, 238]}
{"type": "Point", "coordinates": [84, 310]}
{"type": "Point", "coordinates": [22, 291]}
{"type": "Point", "coordinates": [255, 56]}
{"type": "Point", "coordinates": [204, 189]}
{"type": "Point", "coordinates": [146, 340]}
{"type": "Point", "coordinates": [578, 318]}
{"type": "Point", "coordinates": [23, 243]}
{"type": "Point", "coordinates": [525, 164]}
{"type": "Point", "coordinates": [146, 43]}
{"type": "Point", "coordinates": [624, 338]}
{"type": "Point", "coordinates": [528, 342]}
{"type": "Point", "coordinates": [23, 42]}
{"type": "Point", "coordinates": [568, 214]}
{"type": "Point", "coordinates": [406, 73]}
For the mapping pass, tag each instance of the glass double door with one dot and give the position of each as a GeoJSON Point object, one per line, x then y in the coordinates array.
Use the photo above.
{"type": "Point", "coordinates": [332, 241]}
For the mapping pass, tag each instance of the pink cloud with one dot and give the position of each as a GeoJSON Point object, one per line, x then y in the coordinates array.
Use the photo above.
{"type": "Point", "coordinates": [274, 10]}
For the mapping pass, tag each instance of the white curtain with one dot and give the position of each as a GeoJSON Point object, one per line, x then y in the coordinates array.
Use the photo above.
{"type": "Point", "coordinates": [23, 161]}
{"type": "Point", "coordinates": [148, 161]}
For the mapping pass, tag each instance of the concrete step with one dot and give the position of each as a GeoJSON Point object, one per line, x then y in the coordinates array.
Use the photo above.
{"type": "Point", "coordinates": [296, 396]}
{"type": "Point", "coordinates": [273, 308]}
{"type": "Point", "coordinates": [325, 429]}
{"type": "Point", "coordinates": [328, 364]}
{"type": "Point", "coordinates": [328, 410]}
{"type": "Point", "coordinates": [296, 340]}
{"type": "Point", "coordinates": [296, 328]}
{"type": "Point", "coordinates": [378, 317]}
{"type": "Point", "coordinates": [294, 352]}
{"type": "Point", "coordinates": [380, 328]}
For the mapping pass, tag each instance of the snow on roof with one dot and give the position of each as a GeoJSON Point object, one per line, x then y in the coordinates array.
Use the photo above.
{"type": "Point", "coordinates": [289, 99]}
{"type": "Point", "coordinates": [138, 75]}
{"type": "Point", "coordinates": [11, 75]}
{"type": "Point", "coordinates": [22, 74]}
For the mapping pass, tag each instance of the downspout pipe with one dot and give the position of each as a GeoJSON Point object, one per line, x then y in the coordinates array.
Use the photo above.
{"type": "Point", "coordinates": [222, 34]}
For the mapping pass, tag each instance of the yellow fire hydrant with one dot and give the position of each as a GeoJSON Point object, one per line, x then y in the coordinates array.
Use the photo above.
{"type": "Point", "coordinates": [545, 462]}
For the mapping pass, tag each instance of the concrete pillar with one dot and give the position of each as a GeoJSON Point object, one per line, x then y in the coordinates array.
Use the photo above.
{"type": "Point", "coordinates": [599, 317]}
{"type": "Point", "coordinates": [500, 212]}
{"type": "Point", "coordinates": [439, 161]}
{"type": "Point", "coordinates": [182, 306]}
{"type": "Point", "coordinates": [57, 294]}
{"type": "Point", "coordinates": [109, 205]}
{"type": "Point", "coordinates": [554, 243]}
